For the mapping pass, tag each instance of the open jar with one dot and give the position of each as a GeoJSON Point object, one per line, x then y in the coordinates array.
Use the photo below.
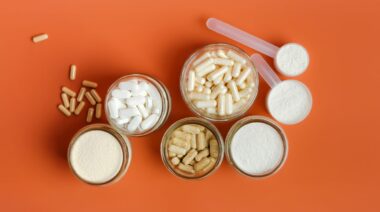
{"type": "Point", "coordinates": [192, 148]}
{"type": "Point", "coordinates": [99, 155]}
{"type": "Point", "coordinates": [256, 146]}
{"type": "Point", "coordinates": [137, 104]}
{"type": "Point", "coordinates": [219, 82]}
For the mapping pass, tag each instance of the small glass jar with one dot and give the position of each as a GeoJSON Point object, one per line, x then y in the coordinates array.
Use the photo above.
{"type": "Point", "coordinates": [165, 143]}
{"type": "Point", "coordinates": [125, 148]}
{"type": "Point", "coordinates": [252, 119]}
{"type": "Point", "coordinates": [241, 109]}
{"type": "Point", "coordinates": [165, 108]}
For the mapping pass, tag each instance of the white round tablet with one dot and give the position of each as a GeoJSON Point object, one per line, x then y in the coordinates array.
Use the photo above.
{"type": "Point", "coordinates": [96, 156]}
{"type": "Point", "coordinates": [289, 102]}
{"type": "Point", "coordinates": [291, 59]}
{"type": "Point", "coordinates": [257, 149]}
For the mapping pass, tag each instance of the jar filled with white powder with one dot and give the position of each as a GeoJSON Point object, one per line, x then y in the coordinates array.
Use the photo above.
{"type": "Point", "coordinates": [99, 155]}
{"type": "Point", "coordinates": [256, 146]}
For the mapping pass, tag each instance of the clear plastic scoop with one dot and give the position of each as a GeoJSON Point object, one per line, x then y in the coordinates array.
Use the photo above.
{"type": "Point", "coordinates": [289, 101]}
{"type": "Point", "coordinates": [290, 59]}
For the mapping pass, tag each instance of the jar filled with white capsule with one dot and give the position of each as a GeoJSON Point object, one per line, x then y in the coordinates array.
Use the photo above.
{"type": "Point", "coordinates": [256, 146]}
{"type": "Point", "coordinates": [137, 104]}
{"type": "Point", "coordinates": [219, 82]}
{"type": "Point", "coordinates": [192, 148]}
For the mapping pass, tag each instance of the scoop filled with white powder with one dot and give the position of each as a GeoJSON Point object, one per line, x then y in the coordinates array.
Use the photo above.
{"type": "Point", "coordinates": [256, 146]}
{"type": "Point", "coordinates": [289, 101]}
{"type": "Point", "coordinates": [97, 156]}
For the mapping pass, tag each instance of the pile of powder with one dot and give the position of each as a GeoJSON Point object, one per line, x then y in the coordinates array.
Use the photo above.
{"type": "Point", "coordinates": [96, 156]}
{"type": "Point", "coordinates": [289, 102]}
{"type": "Point", "coordinates": [292, 59]}
{"type": "Point", "coordinates": [257, 148]}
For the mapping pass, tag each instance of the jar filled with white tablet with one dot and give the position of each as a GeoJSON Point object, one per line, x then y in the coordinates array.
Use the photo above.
{"type": "Point", "coordinates": [137, 104]}
{"type": "Point", "coordinates": [99, 155]}
{"type": "Point", "coordinates": [219, 82]}
{"type": "Point", "coordinates": [256, 146]}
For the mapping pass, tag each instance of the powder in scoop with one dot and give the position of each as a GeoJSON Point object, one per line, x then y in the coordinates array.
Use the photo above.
{"type": "Point", "coordinates": [292, 59]}
{"type": "Point", "coordinates": [96, 156]}
{"type": "Point", "coordinates": [257, 148]}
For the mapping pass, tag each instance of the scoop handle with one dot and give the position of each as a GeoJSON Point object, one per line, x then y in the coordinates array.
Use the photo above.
{"type": "Point", "coordinates": [265, 71]}
{"type": "Point", "coordinates": [242, 37]}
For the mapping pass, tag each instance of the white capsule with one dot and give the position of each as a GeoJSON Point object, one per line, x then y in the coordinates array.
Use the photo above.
{"type": "Point", "coordinates": [234, 90]}
{"type": "Point", "coordinates": [243, 76]}
{"type": "Point", "coordinates": [121, 94]}
{"type": "Point", "coordinates": [134, 123]}
{"type": "Point", "coordinates": [121, 121]}
{"type": "Point", "coordinates": [205, 103]}
{"type": "Point", "coordinates": [148, 103]}
{"type": "Point", "coordinates": [199, 96]}
{"type": "Point", "coordinates": [156, 110]}
{"type": "Point", "coordinates": [243, 85]}
{"type": "Point", "coordinates": [149, 122]}
{"type": "Point", "coordinates": [211, 110]}
{"type": "Point", "coordinates": [201, 58]}
{"type": "Point", "coordinates": [250, 83]}
{"type": "Point", "coordinates": [223, 62]}
{"type": "Point", "coordinates": [221, 53]}
{"type": "Point", "coordinates": [114, 105]}
{"type": "Point", "coordinates": [200, 80]}
{"type": "Point", "coordinates": [143, 85]}
{"type": "Point", "coordinates": [208, 84]}
{"type": "Point", "coordinates": [204, 64]}
{"type": "Point", "coordinates": [224, 90]}
{"type": "Point", "coordinates": [236, 70]}
{"type": "Point", "coordinates": [206, 70]}
{"type": "Point", "coordinates": [199, 88]}
{"type": "Point", "coordinates": [217, 73]}
{"type": "Point", "coordinates": [229, 104]}
{"type": "Point", "coordinates": [245, 92]}
{"type": "Point", "coordinates": [191, 81]}
{"type": "Point", "coordinates": [227, 76]}
{"type": "Point", "coordinates": [130, 85]}
{"type": "Point", "coordinates": [143, 111]}
{"type": "Point", "coordinates": [139, 92]}
{"type": "Point", "coordinates": [218, 80]}
{"type": "Point", "coordinates": [155, 95]}
{"type": "Point", "coordinates": [136, 100]}
{"type": "Point", "coordinates": [221, 104]}
{"type": "Point", "coordinates": [233, 55]}
{"type": "Point", "coordinates": [216, 91]}
{"type": "Point", "coordinates": [129, 112]}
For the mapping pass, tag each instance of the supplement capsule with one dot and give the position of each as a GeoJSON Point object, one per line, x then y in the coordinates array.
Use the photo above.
{"type": "Point", "coordinates": [236, 70]}
{"type": "Point", "coordinates": [210, 165]}
{"type": "Point", "coordinates": [82, 91]}
{"type": "Point", "coordinates": [134, 123]}
{"type": "Point", "coordinates": [175, 161]}
{"type": "Point", "coordinates": [72, 104]}
{"type": "Point", "coordinates": [73, 72]}
{"type": "Point", "coordinates": [204, 153]}
{"type": "Point", "coordinates": [199, 96]}
{"type": "Point", "coordinates": [221, 104]}
{"type": "Point", "coordinates": [203, 65]}
{"type": "Point", "coordinates": [201, 141]}
{"type": "Point", "coordinates": [90, 98]}
{"type": "Point", "coordinates": [201, 164]}
{"type": "Point", "coordinates": [68, 91]}
{"type": "Point", "coordinates": [181, 143]}
{"type": "Point", "coordinates": [182, 135]}
{"type": "Point", "coordinates": [90, 114]}
{"type": "Point", "coordinates": [205, 104]}
{"type": "Point", "coordinates": [64, 110]}
{"type": "Point", "coordinates": [214, 152]}
{"type": "Point", "coordinates": [236, 57]}
{"type": "Point", "coordinates": [191, 129]}
{"type": "Point", "coordinates": [217, 73]}
{"type": "Point", "coordinates": [89, 84]}
{"type": "Point", "coordinates": [202, 58]}
{"type": "Point", "coordinates": [98, 111]}
{"type": "Point", "coordinates": [79, 108]}
{"type": "Point", "coordinates": [229, 104]}
{"type": "Point", "coordinates": [177, 150]}
{"type": "Point", "coordinates": [65, 100]}
{"type": "Point", "coordinates": [234, 90]}
{"type": "Point", "coordinates": [243, 76]}
{"type": "Point", "coordinates": [186, 168]}
{"type": "Point", "coordinates": [40, 38]}
{"type": "Point", "coordinates": [189, 157]}
{"type": "Point", "coordinates": [96, 95]}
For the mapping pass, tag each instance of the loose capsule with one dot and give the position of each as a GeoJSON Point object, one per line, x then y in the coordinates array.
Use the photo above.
{"type": "Point", "coordinates": [221, 104]}
{"type": "Point", "coordinates": [205, 104]}
{"type": "Point", "coordinates": [217, 73]}
{"type": "Point", "coordinates": [223, 62]}
{"type": "Point", "coordinates": [98, 111]}
{"type": "Point", "coordinates": [79, 108]}
{"type": "Point", "coordinates": [40, 38]}
{"type": "Point", "coordinates": [205, 70]}
{"type": "Point", "coordinates": [243, 76]}
{"type": "Point", "coordinates": [64, 110]}
{"type": "Point", "coordinates": [73, 72]}
{"type": "Point", "coordinates": [72, 104]}
{"type": "Point", "coordinates": [68, 91]}
{"type": "Point", "coordinates": [90, 98]}
{"type": "Point", "coordinates": [236, 70]}
{"type": "Point", "coordinates": [89, 84]}
{"type": "Point", "coordinates": [65, 100]}
{"type": "Point", "coordinates": [199, 96]}
{"type": "Point", "coordinates": [82, 91]}
{"type": "Point", "coordinates": [90, 114]}
{"type": "Point", "coordinates": [204, 64]}
{"type": "Point", "coordinates": [95, 95]}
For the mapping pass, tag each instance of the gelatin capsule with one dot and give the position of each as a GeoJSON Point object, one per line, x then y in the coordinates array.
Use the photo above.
{"type": "Point", "coordinates": [177, 150]}
{"type": "Point", "coordinates": [90, 98]}
{"type": "Point", "coordinates": [65, 100]}
{"type": "Point", "coordinates": [214, 150]}
{"type": "Point", "coordinates": [189, 156]}
{"type": "Point", "coordinates": [89, 84]}
{"type": "Point", "coordinates": [202, 154]}
{"type": "Point", "coordinates": [201, 164]}
{"type": "Point", "coordinates": [186, 168]}
{"type": "Point", "coordinates": [98, 111]}
{"type": "Point", "coordinates": [79, 108]}
{"type": "Point", "coordinates": [96, 95]}
{"type": "Point", "coordinates": [64, 110]}
{"type": "Point", "coordinates": [82, 91]}
{"type": "Point", "coordinates": [90, 114]}
{"type": "Point", "coordinates": [68, 91]}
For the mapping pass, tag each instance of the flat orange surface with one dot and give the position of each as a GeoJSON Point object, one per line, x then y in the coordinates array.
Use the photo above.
{"type": "Point", "coordinates": [333, 162]}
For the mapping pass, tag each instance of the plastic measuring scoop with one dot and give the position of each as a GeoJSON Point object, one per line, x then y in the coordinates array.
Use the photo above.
{"type": "Point", "coordinates": [289, 101]}
{"type": "Point", "coordinates": [290, 59]}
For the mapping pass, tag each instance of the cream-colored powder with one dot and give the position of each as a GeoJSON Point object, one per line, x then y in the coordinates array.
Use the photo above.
{"type": "Point", "coordinates": [96, 156]}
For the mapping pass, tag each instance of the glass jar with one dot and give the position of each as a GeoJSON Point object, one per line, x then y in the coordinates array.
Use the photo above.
{"type": "Point", "coordinates": [121, 139]}
{"type": "Point", "coordinates": [165, 143]}
{"type": "Point", "coordinates": [253, 119]}
{"type": "Point", "coordinates": [240, 109]}
{"type": "Point", "coordinates": [165, 106]}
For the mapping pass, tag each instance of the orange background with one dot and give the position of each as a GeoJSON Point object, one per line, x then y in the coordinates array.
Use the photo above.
{"type": "Point", "coordinates": [333, 162]}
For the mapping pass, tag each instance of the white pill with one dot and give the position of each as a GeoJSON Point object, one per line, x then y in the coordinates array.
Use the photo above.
{"type": "Point", "coordinates": [134, 123]}
{"type": "Point", "coordinates": [199, 96]}
{"type": "Point", "coordinates": [221, 104]}
{"type": "Point", "coordinates": [136, 100]}
{"type": "Point", "coordinates": [216, 91]}
{"type": "Point", "coordinates": [234, 90]}
{"type": "Point", "coordinates": [155, 95]}
{"type": "Point", "coordinates": [221, 53]}
{"type": "Point", "coordinates": [243, 76]}
{"type": "Point", "coordinates": [200, 80]}
{"type": "Point", "coordinates": [149, 122]}
{"type": "Point", "coordinates": [236, 57]}
{"type": "Point", "coordinates": [229, 104]}
{"type": "Point", "coordinates": [208, 84]}
{"type": "Point", "coordinates": [121, 94]}
{"type": "Point", "coordinates": [130, 85]}
{"type": "Point", "coordinates": [129, 112]}
{"type": "Point", "coordinates": [236, 70]}
{"type": "Point", "coordinates": [143, 85]}
{"type": "Point", "coordinates": [201, 58]}
{"type": "Point", "coordinates": [139, 92]}
{"type": "Point", "coordinates": [227, 76]}
{"type": "Point", "coordinates": [114, 105]}
{"type": "Point", "coordinates": [148, 102]}
{"type": "Point", "coordinates": [218, 80]}
{"type": "Point", "coordinates": [223, 62]}
{"type": "Point", "coordinates": [156, 110]}
{"type": "Point", "coordinates": [191, 81]}
{"type": "Point", "coordinates": [143, 111]}
{"type": "Point", "coordinates": [121, 121]}
{"type": "Point", "coordinates": [206, 70]}
{"type": "Point", "coordinates": [204, 64]}
{"type": "Point", "coordinates": [217, 73]}
{"type": "Point", "coordinates": [205, 104]}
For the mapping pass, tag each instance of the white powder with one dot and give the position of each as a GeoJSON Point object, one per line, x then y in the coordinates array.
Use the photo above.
{"type": "Point", "coordinates": [292, 59]}
{"type": "Point", "coordinates": [257, 148]}
{"type": "Point", "coordinates": [96, 156]}
{"type": "Point", "coordinates": [289, 102]}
